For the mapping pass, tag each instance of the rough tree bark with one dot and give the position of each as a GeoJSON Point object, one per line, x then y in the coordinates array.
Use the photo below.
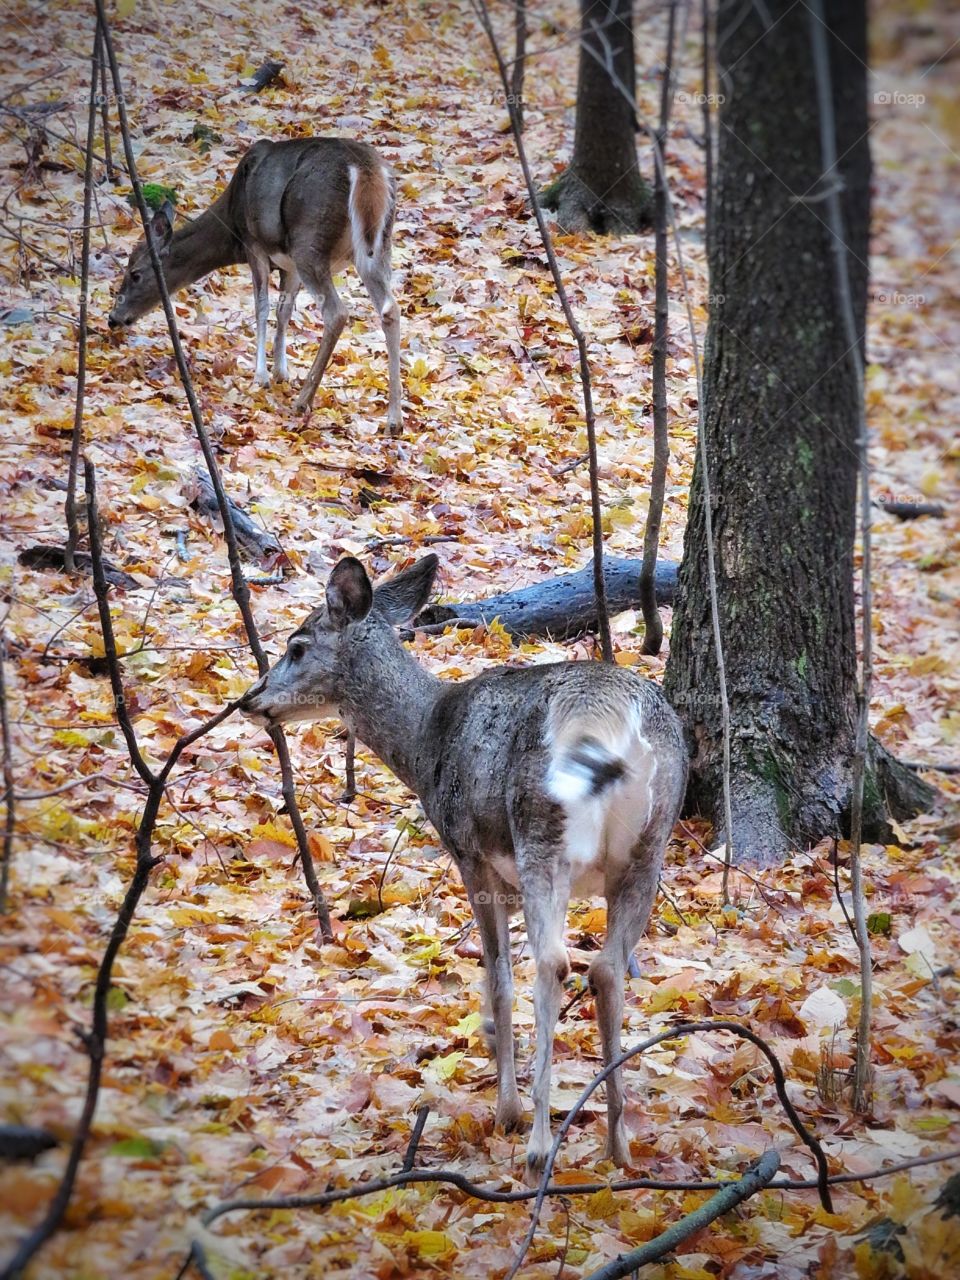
{"type": "Point", "coordinates": [603, 190]}
{"type": "Point", "coordinates": [781, 424]}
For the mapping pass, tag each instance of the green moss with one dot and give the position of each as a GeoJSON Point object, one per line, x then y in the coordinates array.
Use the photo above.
{"type": "Point", "coordinates": [801, 666]}
{"type": "Point", "coordinates": [805, 456]}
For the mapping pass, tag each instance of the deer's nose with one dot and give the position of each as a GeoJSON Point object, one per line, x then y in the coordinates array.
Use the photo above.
{"type": "Point", "coordinates": [249, 699]}
{"type": "Point", "coordinates": [112, 321]}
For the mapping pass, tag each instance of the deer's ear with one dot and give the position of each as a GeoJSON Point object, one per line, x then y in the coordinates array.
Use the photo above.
{"type": "Point", "coordinates": [400, 599]}
{"type": "Point", "coordinates": [349, 594]}
{"type": "Point", "coordinates": [161, 225]}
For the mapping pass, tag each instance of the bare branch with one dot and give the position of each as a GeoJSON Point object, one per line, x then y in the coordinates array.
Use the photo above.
{"type": "Point", "coordinates": [239, 586]}
{"type": "Point", "coordinates": [652, 622]}
{"type": "Point", "coordinates": [76, 439]}
{"type": "Point", "coordinates": [9, 796]}
{"type": "Point", "coordinates": [852, 340]}
{"type": "Point", "coordinates": [603, 617]}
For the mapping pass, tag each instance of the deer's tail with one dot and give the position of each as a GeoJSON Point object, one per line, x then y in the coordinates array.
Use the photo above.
{"type": "Point", "coordinates": [371, 211]}
{"type": "Point", "coordinates": [584, 768]}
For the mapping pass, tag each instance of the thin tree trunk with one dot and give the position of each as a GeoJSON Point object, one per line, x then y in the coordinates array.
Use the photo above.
{"type": "Point", "coordinates": [603, 189]}
{"type": "Point", "coordinates": [781, 422]}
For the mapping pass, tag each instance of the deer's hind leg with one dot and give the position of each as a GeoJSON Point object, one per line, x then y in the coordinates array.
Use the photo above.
{"type": "Point", "coordinates": [376, 278]}
{"type": "Point", "coordinates": [490, 899]}
{"type": "Point", "coordinates": [320, 283]}
{"type": "Point", "coordinates": [631, 891]}
{"type": "Point", "coordinates": [545, 879]}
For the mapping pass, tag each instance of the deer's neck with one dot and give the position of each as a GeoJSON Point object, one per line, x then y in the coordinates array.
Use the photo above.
{"type": "Point", "coordinates": [203, 245]}
{"type": "Point", "coordinates": [387, 696]}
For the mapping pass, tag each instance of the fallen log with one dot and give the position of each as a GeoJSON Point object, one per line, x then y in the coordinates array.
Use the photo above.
{"type": "Point", "coordinates": [560, 607]}
{"type": "Point", "coordinates": [53, 557]}
{"type": "Point", "coordinates": [912, 510]}
{"type": "Point", "coordinates": [258, 543]}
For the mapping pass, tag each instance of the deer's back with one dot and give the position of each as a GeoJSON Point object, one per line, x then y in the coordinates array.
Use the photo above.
{"type": "Point", "coordinates": [489, 743]}
{"type": "Point", "coordinates": [290, 197]}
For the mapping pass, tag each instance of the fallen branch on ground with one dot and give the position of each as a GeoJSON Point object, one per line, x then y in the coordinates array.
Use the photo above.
{"type": "Point", "coordinates": [43, 556]}
{"type": "Point", "coordinates": [560, 607]}
{"type": "Point", "coordinates": [258, 543]}
{"type": "Point", "coordinates": [758, 1176]}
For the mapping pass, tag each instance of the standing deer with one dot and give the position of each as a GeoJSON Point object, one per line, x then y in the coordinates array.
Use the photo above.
{"type": "Point", "coordinates": [542, 782]}
{"type": "Point", "coordinates": [307, 206]}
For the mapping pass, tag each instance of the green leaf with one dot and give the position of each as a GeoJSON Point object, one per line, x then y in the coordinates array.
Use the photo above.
{"type": "Point", "coordinates": [140, 1148]}
{"type": "Point", "coordinates": [117, 998]}
{"type": "Point", "coordinates": [844, 987]}
{"type": "Point", "coordinates": [880, 922]}
{"type": "Point", "coordinates": [154, 195]}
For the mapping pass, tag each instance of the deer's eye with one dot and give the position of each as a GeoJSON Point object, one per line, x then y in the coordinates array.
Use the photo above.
{"type": "Point", "coordinates": [296, 651]}
{"type": "Point", "coordinates": [135, 276]}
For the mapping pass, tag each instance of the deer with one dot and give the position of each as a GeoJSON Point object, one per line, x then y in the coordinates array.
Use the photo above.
{"type": "Point", "coordinates": [307, 206]}
{"type": "Point", "coordinates": [543, 782]}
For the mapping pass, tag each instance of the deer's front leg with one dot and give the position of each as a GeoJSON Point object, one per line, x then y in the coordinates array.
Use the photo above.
{"type": "Point", "coordinates": [260, 270]}
{"type": "Point", "coordinates": [546, 892]}
{"type": "Point", "coordinates": [490, 910]}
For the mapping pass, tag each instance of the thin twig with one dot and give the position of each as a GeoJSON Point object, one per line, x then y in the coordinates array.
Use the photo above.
{"type": "Point", "coordinates": [758, 1176]}
{"type": "Point", "coordinates": [836, 884]}
{"type": "Point", "coordinates": [603, 617]}
{"type": "Point", "coordinates": [673, 1033]}
{"type": "Point", "coordinates": [852, 340]}
{"type": "Point", "coordinates": [519, 57]}
{"type": "Point", "coordinates": [104, 112]}
{"type": "Point", "coordinates": [95, 1039]}
{"type": "Point", "coordinates": [76, 439]}
{"type": "Point", "coordinates": [9, 796]}
{"type": "Point", "coordinates": [239, 587]}
{"type": "Point", "coordinates": [408, 1160]}
{"type": "Point", "coordinates": [652, 622]}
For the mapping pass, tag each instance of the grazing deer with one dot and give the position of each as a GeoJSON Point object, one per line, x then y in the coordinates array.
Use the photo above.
{"type": "Point", "coordinates": [542, 782]}
{"type": "Point", "coordinates": [307, 206]}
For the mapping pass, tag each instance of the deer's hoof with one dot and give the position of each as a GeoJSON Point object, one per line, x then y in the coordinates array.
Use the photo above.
{"type": "Point", "coordinates": [618, 1149]}
{"type": "Point", "coordinates": [262, 378]}
{"type": "Point", "coordinates": [281, 375]}
{"type": "Point", "coordinates": [302, 404]}
{"type": "Point", "coordinates": [534, 1166]}
{"type": "Point", "coordinates": [509, 1117]}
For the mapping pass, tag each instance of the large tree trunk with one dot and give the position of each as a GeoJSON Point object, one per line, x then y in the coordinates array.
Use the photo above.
{"type": "Point", "coordinates": [603, 190]}
{"type": "Point", "coordinates": [781, 425]}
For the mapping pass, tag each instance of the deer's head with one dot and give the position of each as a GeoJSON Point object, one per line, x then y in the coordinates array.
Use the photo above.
{"type": "Point", "coordinates": [356, 619]}
{"type": "Point", "coordinates": [138, 291]}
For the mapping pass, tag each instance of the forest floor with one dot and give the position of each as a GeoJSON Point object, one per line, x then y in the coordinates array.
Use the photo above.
{"type": "Point", "coordinates": [244, 1055]}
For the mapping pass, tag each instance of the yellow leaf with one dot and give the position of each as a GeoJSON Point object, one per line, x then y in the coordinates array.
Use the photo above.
{"type": "Point", "coordinates": [125, 8]}
{"type": "Point", "coordinates": [186, 917]}
{"type": "Point", "coordinates": [428, 1244]}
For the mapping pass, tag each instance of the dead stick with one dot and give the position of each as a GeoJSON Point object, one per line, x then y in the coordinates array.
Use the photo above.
{"type": "Point", "coordinates": [757, 1177]}
{"type": "Point", "coordinates": [852, 341]}
{"type": "Point", "coordinates": [422, 1112]}
{"type": "Point", "coordinates": [652, 622]}
{"type": "Point", "coordinates": [9, 795]}
{"type": "Point", "coordinates": [519, 56]}
{"type": "Point", "coordinates": [492, 1195]}
{"type": "Point", "coordinates": [76, 438]}
{"type": "Point", "coordinates": [95, 1039]}
{"type": "Point", "coordinates": [586, 385]}
{"type": "Point", "coordinates": [240, 589]}
{"type": "Point", "coordinates": [105, 111]}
